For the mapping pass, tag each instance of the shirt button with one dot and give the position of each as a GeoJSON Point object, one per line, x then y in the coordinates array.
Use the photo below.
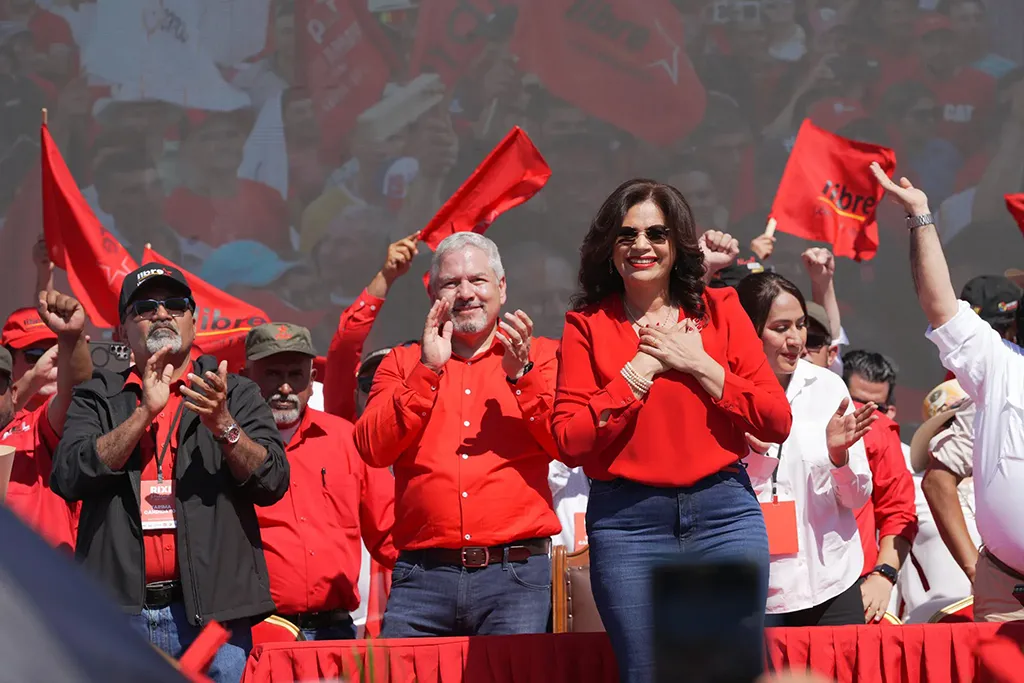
{"type": "Point", "coordinates": [518, 392]}
{"type": "Point", "coordinates": [423, 414]}
{"type": "Point", "coordinates": [465, 456]}
{"type": "Point", "coordinates": [373, 308]}
{"type": "Point", "coordinates": [531, 419]}
{"type": "Point", "coordinates": [469, 362]}
{"type": "Point", "coordinates": [302, 519]}
{"type": "Point", "coordinates": [467, 537]}
{"type": "Point", "coordinates": [465, 495]}
{"type": "Point", "coordinates": [433, 388]}
{"type": "Point", "coordinates": [468, 392]}
{"type": "Point", "coordinates": [312, 553]}
{"type": "Point", "coordinates": [466, 423]}
{"type": "Point", "coordinates": [361, 304]}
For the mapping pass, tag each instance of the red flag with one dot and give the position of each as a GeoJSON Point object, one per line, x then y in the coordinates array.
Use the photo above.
{"type": "Point", "coordinates": [513, 172]}
{"type": "Point", "coordinates": [347, 64]}
{"type": "Point", "coordinates": [827, 193]}
{"type": "Point", "coordinates": [1015, 205]}
{"type": "Point", "coordinates": [624, 66]}
{"type": "Point", "coordinates": [221, 320]}
{"type": "Point", "coordinates": [447, 37]}
{"type": "Point", "coordinates": [95, 261]}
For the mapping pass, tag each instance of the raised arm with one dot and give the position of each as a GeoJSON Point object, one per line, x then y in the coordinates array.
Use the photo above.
{"type": "Point", "coordinates": [66, 317]}
{"type": "Point", "coordinates": [820, 265]}
{"type": "Point", "coordinates": [927, 263]}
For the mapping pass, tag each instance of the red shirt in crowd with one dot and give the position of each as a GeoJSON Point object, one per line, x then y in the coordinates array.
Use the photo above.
{"type": "Point", "coordinates": [311, 537]}
{"type": "Point", "coordinates": [891, 510]}
{"type": "Point", "coordinates": [160, 546]}
{"type": "Point", "coordinates": [345, 353]}
{"type": "Point", "coordinates": [256, 212]}
{"type": "Point", "coordinates": [470, 450]}
{"type": "Point", "coordinates": [677, 434]}
{"type": "Point", "coordinates": [29, 495]}
{"type": "Point", "coordinates": [964, 102]}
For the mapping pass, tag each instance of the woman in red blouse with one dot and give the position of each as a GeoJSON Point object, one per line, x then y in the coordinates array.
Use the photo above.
{"type": "Point", "coordinates": [659, 379]}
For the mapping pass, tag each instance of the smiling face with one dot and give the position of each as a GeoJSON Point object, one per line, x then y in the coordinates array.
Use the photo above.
{"type": "Point", "coordinates": [644, 252]}
{"type": "Point", "coordinates": [466, 280]}
{"type": "Point", "coordinates": [785, 333]}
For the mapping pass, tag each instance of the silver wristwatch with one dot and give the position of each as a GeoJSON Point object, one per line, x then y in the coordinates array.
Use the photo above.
{"type": "Point", "coordinates": [919, 220]}
{"type": "Point", "coordinates": [231, 435]}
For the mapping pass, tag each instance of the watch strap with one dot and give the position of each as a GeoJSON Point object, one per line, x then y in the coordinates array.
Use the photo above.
{"type": "Point", "coordinates": [919, 220]}
{"type": "Point", "coordinates": [229, 435]}
{"type": "Point", "coordinates": [887, 571]}
{"type": "Point", "coordinates": [526, 369]}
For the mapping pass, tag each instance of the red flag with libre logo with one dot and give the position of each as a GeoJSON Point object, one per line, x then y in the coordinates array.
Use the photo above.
{"type": "Point", "coordinates": [619, 61]}
{"type": "Point", "coordinates": [511, 174]}
{"type": "Point", "coordinates": [828, 194]}
{"type": "Point", "coordinates": [1015, 205]}
{"type": "Point", "coordinates": [96, 263]}
{"type": "Point", "coordinates": [221, 320]}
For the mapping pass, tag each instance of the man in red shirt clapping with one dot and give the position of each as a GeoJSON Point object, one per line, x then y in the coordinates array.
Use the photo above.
{"type": "Point", "coordinates": [311, 536]}
{"type": "Point", "coordinates": [464, 418]}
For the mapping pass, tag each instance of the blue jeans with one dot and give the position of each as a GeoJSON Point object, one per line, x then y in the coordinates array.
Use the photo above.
{"type": "Point", "coordinates": [343, 630]}
{"type": "Point", "coordinates": [445, 600]}
{"type": "Point", "coordinates": [168, 629]}
{"type": "Point", "coordinates": [631, 527]}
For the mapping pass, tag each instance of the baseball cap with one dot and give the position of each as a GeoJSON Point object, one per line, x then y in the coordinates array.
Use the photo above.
{"type": "Point", "coordinates": [993, 297]}
{"type": "Point", "coordinates": [147, 274]}
{"type": "Point", "coordinates": [730, 276]}
{"type": "Point", "coordinates": [939, 407]}
{"type": "Point", "coordinates": [6, 362]}
{"type": "Point", "coordinates": [24, 328]}
{"type": "Point", "coordinates": [244, 262]}
{"type": "Point", "coordinates": [817, 313]}
{"type": "Point", "coordinates": [267, 340]}
{"type": "Point", "coordinates": [933, 21]}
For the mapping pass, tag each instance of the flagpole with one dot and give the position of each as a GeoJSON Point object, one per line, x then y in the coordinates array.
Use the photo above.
{"type": "Point", "coordinates": [46, 117]}
{"type": "Point", "coordinates": [770, 228]}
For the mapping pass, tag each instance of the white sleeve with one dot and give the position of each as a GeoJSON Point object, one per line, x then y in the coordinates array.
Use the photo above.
{"type": "Point", "coordinates": [971, 350]}
{"type": "Point", "coordinates": [852, 481]}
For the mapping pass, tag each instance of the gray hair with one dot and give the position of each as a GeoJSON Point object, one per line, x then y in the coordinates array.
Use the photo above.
{"type": "Point", "coordinates": [461, 240]}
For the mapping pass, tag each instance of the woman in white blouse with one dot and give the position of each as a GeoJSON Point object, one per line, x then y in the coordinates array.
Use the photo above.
{"type": "Point", "coordinates": [811, 484]}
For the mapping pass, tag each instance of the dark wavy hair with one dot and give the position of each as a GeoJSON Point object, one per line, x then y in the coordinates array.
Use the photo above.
{"type": "Point", "coordinates": [757, 293]}
{"type": "Point", "coordinates": [598, 279]}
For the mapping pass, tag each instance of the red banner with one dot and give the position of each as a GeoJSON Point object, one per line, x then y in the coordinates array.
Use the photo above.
{"type": "Point", "coordinates": [221, 320]}
{"type": "Point", "coordinates": [620, 63]}
{"type": "Point", "coordinates": [347, 63]}
{"type": "Point", "coordinates": [96, 263]}
{"type": "Point", "coordinates": [513, 172]}
{"type": "Point", "coordinates": [448, 36]}
{"type": "Point", "coordinates": [828, 194]}
{"type": "Point", "coordinates": [1015, 205]}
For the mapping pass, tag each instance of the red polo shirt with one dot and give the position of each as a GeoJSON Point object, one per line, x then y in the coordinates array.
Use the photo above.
{"type": "Point", "coordinates": [891, 510]}
{"type": "Point", "coordinates": [28, 494]}
{"type": "Point", "coordinates": [160, 546]}
{"type": "Point", "coordinates": [470, 450]}
{"type": "Point", "coordinates": [345, 353]}
{"type": "Point", "coordinates": [311, 536]}
{"type": "Point", "coordinates": [678, 433]}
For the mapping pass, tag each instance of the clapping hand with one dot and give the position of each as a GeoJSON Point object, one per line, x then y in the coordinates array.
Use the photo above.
{"type": "Point", "coordinates": [436, 348]}
{"type": "Point", "coordinates": [156, 382]}
{"type": "Point", "coordinates": [843, 430]}
{"type": "Point", "coordinates": [210, 402]}
{"type": "Point", "coordinates": [515, 336]}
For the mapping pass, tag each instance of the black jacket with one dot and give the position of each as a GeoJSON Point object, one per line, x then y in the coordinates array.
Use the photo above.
{"type": "Point", "coordinates": [220, 555]}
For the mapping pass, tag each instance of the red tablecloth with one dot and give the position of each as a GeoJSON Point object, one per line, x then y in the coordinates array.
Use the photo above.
{"type": "Point", "coordinates": [934, 653]}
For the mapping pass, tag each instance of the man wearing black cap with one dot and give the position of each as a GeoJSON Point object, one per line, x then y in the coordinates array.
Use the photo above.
{"type": "Point", "coordinates": [995, 299]}
{"type": "Point", "coordinates": [168, 459]}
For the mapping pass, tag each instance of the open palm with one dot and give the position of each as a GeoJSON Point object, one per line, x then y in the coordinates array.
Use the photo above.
{"type": "Point", "coordinates": [844, 430]}
{"type": "Point", "coordinates": [912, 199]}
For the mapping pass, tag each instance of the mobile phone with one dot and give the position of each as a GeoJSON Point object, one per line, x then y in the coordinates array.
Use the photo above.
{"type": "Point", "coordinates": [110, 355]}
{"type": "Point", "coordinates": [708, 622]}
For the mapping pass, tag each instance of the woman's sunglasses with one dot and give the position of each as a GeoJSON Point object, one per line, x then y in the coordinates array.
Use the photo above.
{"type": "Point", "coordinates": [655, 235]}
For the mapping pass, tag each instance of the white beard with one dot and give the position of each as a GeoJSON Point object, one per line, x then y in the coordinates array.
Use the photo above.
{"type": "Point", "coordinates": [163, 340]}
{"type": "Point", "coordinates": [285, 418]}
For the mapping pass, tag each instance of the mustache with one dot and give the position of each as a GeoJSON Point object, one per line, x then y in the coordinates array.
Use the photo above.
{"type": "Point", "coordinates": [290, 400]}
{"type": "Point", "coordinates": [469, 306]}
{"type": "Point", "coordinates": [162, 325]}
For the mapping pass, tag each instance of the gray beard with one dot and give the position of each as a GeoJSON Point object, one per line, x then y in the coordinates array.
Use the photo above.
{"type": "Point", "coordinates": [158, 341]}
{"type": "Point", "coordinates": [473, 325]}
{"type": "Point", "coordinates": [285, 418]}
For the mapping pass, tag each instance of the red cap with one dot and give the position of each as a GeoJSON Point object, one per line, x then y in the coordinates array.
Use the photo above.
{"type": "Point", "coordinates": [835, 113]}
{"type": "Point", "coordinates": [932, 21]}
{"type": "Point", "coordinates": [24, 328]}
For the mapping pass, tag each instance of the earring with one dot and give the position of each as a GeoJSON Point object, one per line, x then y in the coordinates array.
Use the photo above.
{"type": "Point", "coordinates": [611, 267]}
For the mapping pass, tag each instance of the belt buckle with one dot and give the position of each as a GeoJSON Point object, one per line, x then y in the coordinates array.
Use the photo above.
{"type": "Point", "coordinates": [476, 557]}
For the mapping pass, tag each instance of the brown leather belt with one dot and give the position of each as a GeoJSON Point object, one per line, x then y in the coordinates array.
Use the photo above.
{"type": "Point", "coordinates": [1002, 566]}
{"type": "Point", "coordinates": [479, 556]}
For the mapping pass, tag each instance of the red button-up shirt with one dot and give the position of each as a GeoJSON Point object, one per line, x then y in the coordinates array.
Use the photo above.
{"type": "Point", "coordinates": [891, 510]}
{"type": "Point", "coordinates": [29, 495]}
{"type": "Point", "coordinates": [678, 433]}
{"type": "Point", "coordinates": [470, 450]}
{"type": "Point", "coordinates": [311, 536]}
{"type": "Point", "coordinates": [345, 353]}
{"type": "Point", "coordinates": [160, 546]}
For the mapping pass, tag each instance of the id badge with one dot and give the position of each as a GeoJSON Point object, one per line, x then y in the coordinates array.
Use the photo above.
{"type": "Point", "coordinates": [780, 519]}
{"type": "Point", "coordinates": [580, 531]}
{"type": "Point", "coordinates": [157, 505]}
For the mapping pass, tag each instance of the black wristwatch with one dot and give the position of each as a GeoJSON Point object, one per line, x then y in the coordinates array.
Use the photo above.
{"type": "Point", "coordinates": [526, 369]}
{"type": "Point", "coordinates": [888, 571]}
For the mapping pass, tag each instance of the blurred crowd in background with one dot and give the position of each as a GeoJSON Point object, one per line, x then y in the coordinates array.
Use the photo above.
{"type": "Point", "coordinates": [276, 147]}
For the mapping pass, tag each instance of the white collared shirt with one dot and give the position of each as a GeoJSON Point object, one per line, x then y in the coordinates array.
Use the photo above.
{"type": "Point", "coordinates": [991, 371]}
{"type": "Point", "coordinates": [830, 558]}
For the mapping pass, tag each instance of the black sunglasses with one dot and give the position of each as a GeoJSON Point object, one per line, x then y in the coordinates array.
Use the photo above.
{"type": "Point", "coordinates": [816, 342]}
{"type": "Point", "coordinates": [32, 356]}
{"type": "Point", "coordinates": [176, 306]}
{"type": "Point", "coordinates": [655, 235]}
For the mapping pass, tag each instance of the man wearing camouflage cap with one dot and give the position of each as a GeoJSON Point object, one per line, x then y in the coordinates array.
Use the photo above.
{"type": "Point", "coordinates": [311, 537]}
